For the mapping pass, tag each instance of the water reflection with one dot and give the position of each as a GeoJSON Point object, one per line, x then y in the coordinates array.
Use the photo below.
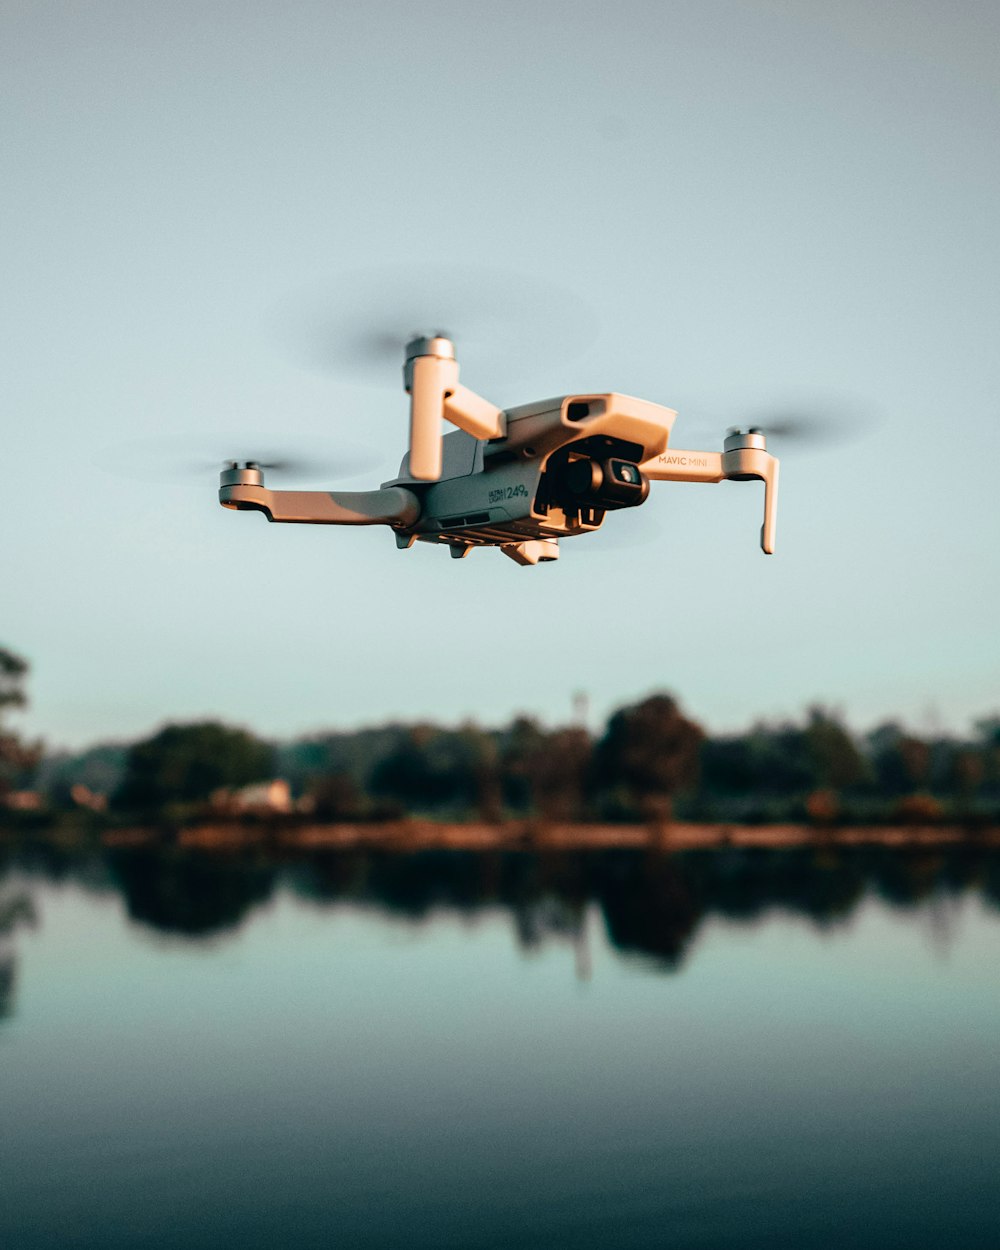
{"type": "Point", "coordinates": [652, 903]}
{"type": "Point", "coordinates": [192, 894]}
{"type": "Point", "coordinates": [320, 1082]}
{"type": "Point", "coordinates": [16, 909]}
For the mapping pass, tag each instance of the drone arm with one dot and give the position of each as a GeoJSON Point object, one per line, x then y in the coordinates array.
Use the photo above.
{"type": "Point", "coordinates": [744, 459]}
{"type": "Point", "coordinates": [747, 460]}
{"type": "Point", "coordinates": [473, 414]}
{"type": "Point", "coordinates": [685, 466]}
{"type": "Point", "coordinates": [393, 506]}
{"type": "Point", "coordinates": [431, 377]}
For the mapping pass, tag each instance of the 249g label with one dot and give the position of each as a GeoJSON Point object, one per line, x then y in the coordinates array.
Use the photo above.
{"type": "Point", "coordinates": [503, 493]}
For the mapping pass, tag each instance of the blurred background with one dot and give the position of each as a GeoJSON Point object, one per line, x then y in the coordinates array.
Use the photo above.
{"type": "Point", "coordinates": [734, 210]}
{"type": "Point", "coordinates": [365, 896]}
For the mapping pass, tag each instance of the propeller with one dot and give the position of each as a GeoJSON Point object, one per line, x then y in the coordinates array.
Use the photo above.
{"type": "Point", "coordinates": [179, 458]}
{"type": "Point", "coordinates": [789, 429]}
{"type": "Point", "coordinates": [506, 325]}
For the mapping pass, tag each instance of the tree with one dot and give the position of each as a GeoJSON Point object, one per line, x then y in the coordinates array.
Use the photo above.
{"type": "Point", "coordinates": [13, 671]}
{"type": "Point", "coordinates": [523, 739]}
{"type": "Point", "coordinates": [988, 731]}
{"type": "Point", "coordinates": [17, 758]}
{"type": "Point", "coordinates": [185, 763]}
{"type": "Point", "coordinates": [834, 756]}
{"type": "Point", "coordinates": [336, 797]}
{"type": "Point", "coordinates": [434, 769]}
{"type": "Point", "coordinates": [545, 772]}
{"type": "Point", "coordinates": [648, 754]}
{"type": "Point", "coordinates": [902, 762]}
{"type": "Point", "coordinates": [966, 772]}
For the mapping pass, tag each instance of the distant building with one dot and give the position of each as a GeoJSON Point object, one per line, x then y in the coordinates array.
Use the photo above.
{"type": "Point", "coordinates": [261, 798]}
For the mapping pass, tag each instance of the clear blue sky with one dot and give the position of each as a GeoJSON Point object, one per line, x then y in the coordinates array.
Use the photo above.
{"type": "Point", "coordinates": [763, 201]}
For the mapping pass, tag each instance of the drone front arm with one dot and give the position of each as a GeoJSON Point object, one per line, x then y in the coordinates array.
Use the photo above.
{"type": "Point", "coordinates": [394, 506]}
{"type": "Point", "coordinates": [685, 466]}
{"type": "Point", "coordinates": [745, 459]}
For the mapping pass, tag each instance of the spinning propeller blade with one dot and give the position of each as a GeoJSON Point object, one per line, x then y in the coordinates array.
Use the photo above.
{"type": "Point", "coordinates": [808, 429]}
{"type": "Point", "coordinates": [793, 428]}
{"type": "Point", "coordinates": [169, 460]}
{"type": "Point", "coordinates": [507, 325]}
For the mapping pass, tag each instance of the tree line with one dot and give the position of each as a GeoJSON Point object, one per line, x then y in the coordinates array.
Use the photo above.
{"type": "Point", "coordinates": [650, 761]}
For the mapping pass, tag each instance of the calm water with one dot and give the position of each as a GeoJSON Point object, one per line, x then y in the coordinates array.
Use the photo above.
{"type": "Point", "coordinates": [599, 1050]}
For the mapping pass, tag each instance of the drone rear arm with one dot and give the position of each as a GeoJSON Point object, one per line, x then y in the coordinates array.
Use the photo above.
{"type": "Point", "coordinates": [431, 377]}
{"type": "Point", "coordinates": [394, 506]}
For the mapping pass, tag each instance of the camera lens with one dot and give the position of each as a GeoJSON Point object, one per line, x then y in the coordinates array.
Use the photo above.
{"type": "Point", "coordinates": [610, 483]}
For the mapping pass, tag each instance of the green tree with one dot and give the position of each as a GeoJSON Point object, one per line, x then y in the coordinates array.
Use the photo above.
{"type": "Point", "coordinates": [18, 758]}
{"type": "Point", "coordinates": [336, 797]}
{"type": "Point", "coordinates": [649, 753]}
{"type": "Point", "coordinates": [835, 758]}
{"type": "Point", "coordinates": [764, 768]}
{"type": "Point", "coordinates": [901, 761]}
{"type": "Point", "coordinates": [966, 773]}
{"type": "Point", "coordinates": [988, 741]}
{"type": "Point", "coordinates": [13, 671]}
{"type": "Point", "coordinates": [546, 772]}
{"type": "Point", "coordinates": [522, 740]}
{"type": "Point", "coordinates": [432, 769]}
{"type": "Point", "coordinates": [185, 763]}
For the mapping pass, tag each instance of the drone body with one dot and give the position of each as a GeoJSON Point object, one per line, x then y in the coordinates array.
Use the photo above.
{"type": "Point", "coordinates": [520, 480]}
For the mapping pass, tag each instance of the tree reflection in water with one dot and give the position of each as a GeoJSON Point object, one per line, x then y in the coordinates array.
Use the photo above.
{"type": "Point", "coordinates": [652, 903]}
{"type": "Point", "coordinates": [195, 894]}
{"type": "Point", "coordinates": [16, 908]}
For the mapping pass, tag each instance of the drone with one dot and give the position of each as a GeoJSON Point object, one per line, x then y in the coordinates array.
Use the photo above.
{"type": "Point", "coordinates": [521, 479]}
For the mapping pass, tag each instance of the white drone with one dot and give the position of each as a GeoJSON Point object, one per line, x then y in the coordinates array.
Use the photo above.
{"type": "Point", "coordinates": [520, 479]}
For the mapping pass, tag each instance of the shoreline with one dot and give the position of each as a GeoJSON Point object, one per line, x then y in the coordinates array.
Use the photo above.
{"type": "Point", "coordinates": [426, 835]}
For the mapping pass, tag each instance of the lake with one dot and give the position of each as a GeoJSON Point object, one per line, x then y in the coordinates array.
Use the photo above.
{"type": "Point", "coordinates": [451, 1049]}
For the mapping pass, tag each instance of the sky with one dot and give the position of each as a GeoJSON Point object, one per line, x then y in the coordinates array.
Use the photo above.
{"type": "Point", "coordinates": [759, 205]}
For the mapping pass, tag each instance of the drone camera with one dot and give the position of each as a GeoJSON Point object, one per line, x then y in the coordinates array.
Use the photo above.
{"type": "Point", "coordinates": [607, 484]}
